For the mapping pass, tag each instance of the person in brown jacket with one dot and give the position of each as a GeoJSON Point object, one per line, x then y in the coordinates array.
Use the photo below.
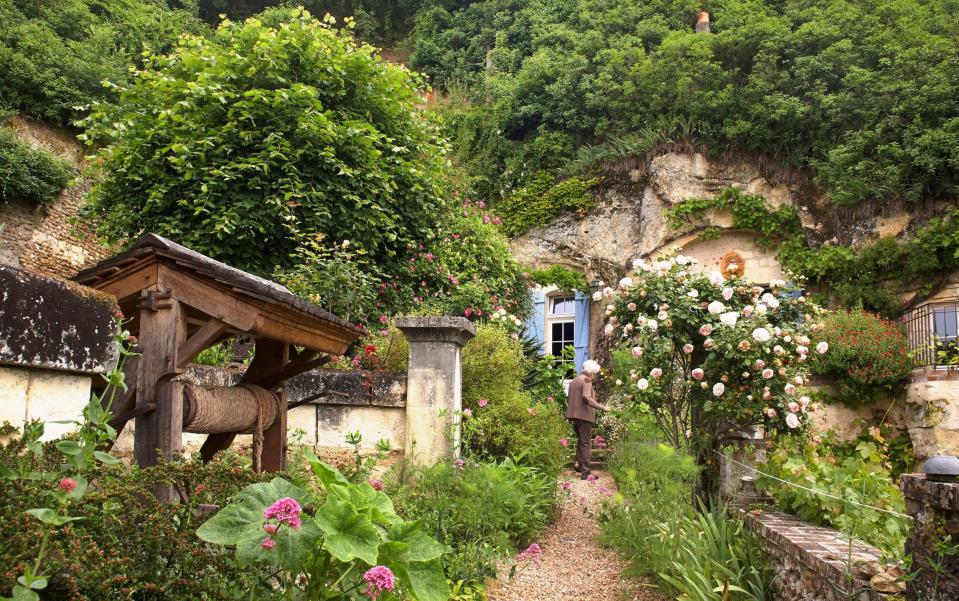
{"type": "Point", "coordinates": [581, 409]}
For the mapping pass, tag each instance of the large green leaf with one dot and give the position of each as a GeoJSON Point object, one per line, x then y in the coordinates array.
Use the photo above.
{"type": "Point", "coordinates": [243, 517]}
{"type": "Point", "coordinates": [50, 517]}
{"type": "Point", "coordinates": [327, 474]}
{"type": "Point", "coordinates": [348, 534]}
{"type": "Point", "coordinates": [293, 547]}
{"type": "Point", "coordinates": [425, 580]}
{"type": "Point", "coordinates": [423, 547]}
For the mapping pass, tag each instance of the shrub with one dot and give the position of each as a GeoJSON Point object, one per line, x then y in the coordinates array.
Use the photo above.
{"type": "Point", "coordinates": [482, 510]}
{"type": "Point", "coordinates": [541, 200]}
{"type": "Point", "coordinates": [29, 174]}
{"type": "Point", "coordinates": [508, 423]}
{"type": "Point", "coordinates": [868, 355]}
{"type": "Point", "coordinates": [246, 145]}
{"type": "Point", "coordinates": [862, 476]}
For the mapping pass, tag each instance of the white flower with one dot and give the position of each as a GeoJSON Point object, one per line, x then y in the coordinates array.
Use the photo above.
{"type": "Point", "coordinates": [792, 420]}
{"type": "Point", "coordinates": [729, 318]}
{"type": "Point", "coordinates": [790, 389]}
{"type": "Point", "coordinates": [716, 278]}
{"type": "Point", "coordinates": [718, 389]}
{"type": "Point", "coordinates": [804, 401]}
{"type": "Point", "coordinates": [639, 264]}
{"type": "Point", "coordinates": [779, 351]}
{"type": "Point", "coordinates": [693, 293]}
{"type": "Point", "coordinates": [656, 373]}
{"type": "Point", "coordinates": [822, 347]}
{"type": "Point", "coordinates": [619, 382]}
{"type": "Point", "coordinates": [598, 295]}
{"type": "Point", "coordinates": [663, 265]}
{"type": "Point", "coordinates": [631, 306]}
{"type": "Point", "coordinates": [768, 373]}
{"type": "Point", "coordinates": [688, 348]}
{"type": "Point", "coordinates": [747, 311]}
{"type": "Point", "coordinates": [637, 351]}
{"type": "Point", "coordinates": [643, 384]}
{"type": "Point", "coordinates": [662, 316]}
{"type": "Point", "coordinates": [761, 335]}
{"type": "Point", "coordinates": [793, 406]}
{"type": "Point", "coordinates": [607, 292]}
{"type": "Point", "coordinates": [777, 283]}
{"type": "Point", "coordinates": [682, 260]}
{"type": "Point", "coordinates": [628, 327]}
{"type": "Point", "coordinates": [798, 380]}
{"type": "Point", "coordinates": [773, 303]}
{"type": "Point", "coordinates": [802, 350]}
{"type": "Point", "coordinates": [652, 325]}
{"type": "Point", "coordinates": [704, 385]}
{"type": "Point", "coordinates": [716, 307]}
{"type": "Point", "coordinates": [761, 309]}
{"type": "Point", "coordinates": [766, 298]}
{"type": "Point", "coordinates": [609, 329]}
{"type": "Point", "coordinates": [625, 282]}
{"type": "Point", "coordinates": [727, 293]}
{"type": "Point", "coordinates": [517, 321]}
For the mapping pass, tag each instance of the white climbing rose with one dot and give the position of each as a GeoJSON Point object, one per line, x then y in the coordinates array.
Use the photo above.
{"type": "Point", "coordinates": [761, 335]}
{"type": "Point", "coordinates": [729, 318]}
{"type": "Point", "coordinates": [716, 307]}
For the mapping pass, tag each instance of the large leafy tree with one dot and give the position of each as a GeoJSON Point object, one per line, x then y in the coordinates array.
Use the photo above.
{"type": "Point", "coordinates": [248, 144]}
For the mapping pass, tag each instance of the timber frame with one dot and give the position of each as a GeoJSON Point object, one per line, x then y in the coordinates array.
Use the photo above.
{"type": "Point", "coordinates": [180, 302]}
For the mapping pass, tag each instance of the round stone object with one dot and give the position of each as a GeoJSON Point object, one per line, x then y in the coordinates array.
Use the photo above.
{"type": "Point", "coordinates": [942, 468]}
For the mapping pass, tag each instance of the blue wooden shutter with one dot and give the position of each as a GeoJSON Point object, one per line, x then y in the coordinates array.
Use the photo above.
{"type": "Point", "coordinates": [536, 323]}
{"type": "Point", "coordinates": [581, 330]}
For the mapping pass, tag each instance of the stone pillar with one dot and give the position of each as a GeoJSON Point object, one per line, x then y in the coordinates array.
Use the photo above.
{"type": "Point", "coordinates": [433, 391]}
{"type": "Point", "coordinates": [934, 507]}
{"type": "Point", "coordinates": [741, 451]}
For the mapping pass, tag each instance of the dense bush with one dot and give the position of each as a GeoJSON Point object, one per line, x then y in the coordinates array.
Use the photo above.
{"type": "Point", "coordinates": [30, 174]}
{"type": "Point", "coordinates": [864, 94]}
{"type": "Point", "coordinates": [505, 421]}
{"type": "Point", "coordinates": [867, 356]}
{"type": "Point", "coordinates": [707, 556]}
{"type": "Point", "coordinates": [539, 201]}
{"type": "Point", "coordinates": [54, 55]}
{"type": "Point", "coordinates": [246, 145]}
{"type": "Point", "coordinates": [482, 510]}
{"type": "Point", "coordinates": [859, 475]}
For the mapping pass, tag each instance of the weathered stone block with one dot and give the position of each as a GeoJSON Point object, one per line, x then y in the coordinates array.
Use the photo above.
{"type": "Point", "coordinates": [53, 324]}
{"type": "Point", "coordinates": [934, 507]}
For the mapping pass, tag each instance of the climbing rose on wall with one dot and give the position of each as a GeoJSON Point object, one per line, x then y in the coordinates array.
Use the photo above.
{"type": "Point", "coordinates": [731, 355]}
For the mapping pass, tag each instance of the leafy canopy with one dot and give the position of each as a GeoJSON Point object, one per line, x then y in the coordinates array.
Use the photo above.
{"type": "Point", "coordinates": [246, 145]}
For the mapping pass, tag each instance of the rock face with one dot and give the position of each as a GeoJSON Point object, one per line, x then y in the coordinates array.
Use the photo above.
{"type": "Point", "coordinates": [45, 239]}
{"type": "Point", "coordinates": [629, 221]}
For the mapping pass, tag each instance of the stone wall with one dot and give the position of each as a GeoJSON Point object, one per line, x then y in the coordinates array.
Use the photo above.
{"type": "Point", "coordinates": [46, 239]}
{"type": "Point", "coordinates": [811, 563]}
{"type": "Point", "coordinates": [934, 507]}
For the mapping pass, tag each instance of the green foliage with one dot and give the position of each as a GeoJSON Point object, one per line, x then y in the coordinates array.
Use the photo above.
{"type": "Point", "coordinates": [703, 556]}
{"type": "Point", "coordinates": [864, 94]}
{"type": "Point", "coordinates": [54, 55]}
{"type": "Point", "coordinates": [217, 355]}
{"type": "Point", "coordinates": [353, 526]}
{"type": "Point", "coordinates": [861, 476]}
{"type": "Point", "coordinates": [481, 510]}
{"type": "Point", "coordinates": [868, 356]}
{"type": "Point", "coordinates": [561, 277]}
{"type": "Point", "coordinates": [876, 276]}
{"type": "Point", "coordinates": [29, 174]}
{"type": "Point", "coordinates": [506, 421]}
{"type": "Point", "coordinates": [539, 201]}
{"type": "Point", "coordinates": [246, 145]}
{"type": "Point", "coordinates": [749, 212]}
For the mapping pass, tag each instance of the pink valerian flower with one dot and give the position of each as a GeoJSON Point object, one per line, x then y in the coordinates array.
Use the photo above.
{"type": "Point", "coordinates": [481, 204]}
{"type": "Point", "coordinates": [268, 543]}
{"type": "Point", "coordinates": [482, 402]}
{"type": "Point", "coordinates": [271, 528]}
{"type": "Point", "coordinates": [467, 412]}
{"type": "Point", "coordinates": [459, 463]}
{"type": "Point", "coordinates": [497, 221]}
{"type": "Point", "coordinates": [566, 486]}
{"type": "Point", "coordinates": [378, 579]}
{"type": "Point", "coordinates": [468, 312]}
{"type": "Point", "coordinates": [454, 281]}
{"type": "Point", "coordinates": [599, 441]}
{"type": "Point", "coordinates": [603, 490]}
{"type": "Point", "coordinates": [286, 511]}
{"type": "Point", "coordinates": [564, 442]}
{"type": "Point", "coordinates": [486, 219]}
{"type": "Point", "coordinates": [384, 319]}
{"type": "Point", "coordinates": [591, 478]}
{"type": "Point", "coordinates": [376, 484]}
{"type": "Point", "coordinates": [67, 485]}
{"type": "Point", "coordinates": [531, 553]}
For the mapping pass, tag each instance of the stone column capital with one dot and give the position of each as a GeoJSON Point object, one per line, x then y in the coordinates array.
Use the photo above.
{"type": "Point", "coordinates": [458, 330]}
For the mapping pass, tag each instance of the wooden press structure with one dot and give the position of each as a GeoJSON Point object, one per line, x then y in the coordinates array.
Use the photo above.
{"type": "Point", "coordinates": [182, 302]}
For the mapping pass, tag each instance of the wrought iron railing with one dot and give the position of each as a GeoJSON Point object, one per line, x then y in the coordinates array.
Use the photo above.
{"type": "Point", "coordinates": [932, 333]}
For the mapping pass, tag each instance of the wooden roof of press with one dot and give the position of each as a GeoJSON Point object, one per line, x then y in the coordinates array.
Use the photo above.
{"type": "Point", "coordinates": [248, 304]}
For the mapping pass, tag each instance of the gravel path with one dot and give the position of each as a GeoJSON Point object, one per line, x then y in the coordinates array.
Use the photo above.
{"type": "Point", "coordinates": [573, 566]}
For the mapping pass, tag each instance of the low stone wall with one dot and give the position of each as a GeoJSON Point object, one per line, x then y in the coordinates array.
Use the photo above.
{"type": "Point", "coordinates": [809, 562]}
{"type": "Point", "coordinates": [934, 507]}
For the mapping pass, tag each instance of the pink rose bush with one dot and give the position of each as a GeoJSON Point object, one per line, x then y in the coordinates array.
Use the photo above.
{"type": "Point", "coordinates": [733, 351]}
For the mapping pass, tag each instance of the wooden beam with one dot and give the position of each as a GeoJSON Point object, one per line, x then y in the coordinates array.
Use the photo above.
{"type": "Point", "coordinates": [202, 338]}
{"type": "Point", "coordinates": [207, 298]}
{"type": "Point", "coordinates": [274, 438]}
{"type": "Point", "coordinates": [308, 361]}
{"type": "Point", "coordinates": [162, 333]}
{"type": "Point", "coordinates": [119, 421]}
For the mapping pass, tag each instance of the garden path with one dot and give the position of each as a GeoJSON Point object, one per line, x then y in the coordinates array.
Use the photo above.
{"type": "Point", "coordinates": [572, 565]}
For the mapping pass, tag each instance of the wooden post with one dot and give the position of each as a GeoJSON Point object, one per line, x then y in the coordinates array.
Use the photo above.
{"type": "Point", "coordinates": [163, 328]}
{"type": "Point", "coordinates": [276, 354]}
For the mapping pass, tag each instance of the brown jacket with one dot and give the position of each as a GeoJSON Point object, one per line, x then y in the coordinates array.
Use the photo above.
{"type": "Point", "coordinates": [580, 403]}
